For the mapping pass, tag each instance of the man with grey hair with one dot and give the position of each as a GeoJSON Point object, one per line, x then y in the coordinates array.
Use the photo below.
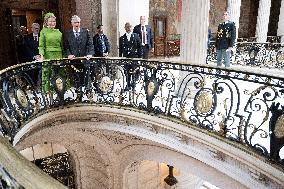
{"type": "Point", "coordinates": [78, 41]}
{"type": "Point", "coordinates": [32, 41]}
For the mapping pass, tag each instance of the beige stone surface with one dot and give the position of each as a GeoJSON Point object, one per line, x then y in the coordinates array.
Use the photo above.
{"type": "Point", "coordinates": [23, 171]}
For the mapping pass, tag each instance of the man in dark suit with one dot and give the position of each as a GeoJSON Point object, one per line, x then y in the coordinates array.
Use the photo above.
{"type": "Point", "coordinates": [101, 44]}
{"type": "Point", "coordinates": [78, 43]}
{"type": "Point", "coordinates": [31, 42]}
{"type": "Point", "coordinates": [130, 47]}
{"type": "Point", "coordinates": [226, 36]}
{"type": "Point", "coordinates": [146, 37]}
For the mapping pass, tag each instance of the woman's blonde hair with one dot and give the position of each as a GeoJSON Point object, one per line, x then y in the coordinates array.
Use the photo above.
{"type": "Point", "coordinates": [47, 16]}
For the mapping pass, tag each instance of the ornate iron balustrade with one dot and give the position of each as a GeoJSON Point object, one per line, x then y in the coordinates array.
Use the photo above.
{"type": "Point", "coordinates": [274, 39]}
{"type": "Point", "coordinates": [7, 181]}
{"type": "Point", "coordinates": [59, 167]}
{"type": "Point", "coordinates": [253, 54]}
{"type": "Point", "coordinates": [241, 106]}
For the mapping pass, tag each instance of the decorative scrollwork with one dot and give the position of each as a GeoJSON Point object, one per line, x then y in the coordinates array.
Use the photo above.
{"type": "Point", "coordinates": [235, 104]}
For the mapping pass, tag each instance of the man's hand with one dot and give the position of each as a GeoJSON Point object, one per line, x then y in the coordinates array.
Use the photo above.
{"type": "Point", "coordinates": [88, 57]}
{"type": "Point", "coordinates": [152, 50]}
{"type": "Point", "coordinates": [36, 57]}
{"type": "Point", "coordinates": [105, 54]}
{"type": "Point", "coordinates": [229, 49]}
{"type": "Point", "coordinates": [71, 56]}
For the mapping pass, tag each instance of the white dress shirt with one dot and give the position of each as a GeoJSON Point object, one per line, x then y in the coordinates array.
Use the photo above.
{"type": "Point", "coordinates": [128, 35]}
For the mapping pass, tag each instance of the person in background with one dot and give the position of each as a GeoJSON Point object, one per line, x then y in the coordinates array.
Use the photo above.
{"type": "Point", "coordinates": [209, 38]}
{"type": "Point", "coordinates": [145, 33]}
{"type": "Point", "coordinates": [226, 36]}
{"type": "Point", "coordinates": [50, 47]}
{"type": "Point", "coordinates": [130, 43]}
{"type": "Point", "coordinates": [130, 47]}
{"type": "Point", "coordinates": [101, 44]}
{"type": "Point", "coordinates": [22, 52]}
{"type": "Point", "coordinates": [32, 42]}
{"type": "Point", "coordinates": [102, 49]}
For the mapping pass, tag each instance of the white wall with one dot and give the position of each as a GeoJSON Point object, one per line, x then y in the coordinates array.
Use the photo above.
{"type": "Point", "coordinates": [130, 11]}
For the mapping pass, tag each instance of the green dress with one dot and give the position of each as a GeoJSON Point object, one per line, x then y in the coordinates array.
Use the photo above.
{"type": "Point", "coordinates": [50, 46]}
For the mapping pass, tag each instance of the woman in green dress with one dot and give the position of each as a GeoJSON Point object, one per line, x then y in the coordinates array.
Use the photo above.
{"type": "Point", "coordinates": [50, 47]}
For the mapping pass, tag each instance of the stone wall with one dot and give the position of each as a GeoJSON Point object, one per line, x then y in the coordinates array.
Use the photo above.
{"type": "Point", "coordinates": [217, 7]}
{"type": "Point", "coordinates": [248, 19]}
{"type": "Point", "coordinates": [167, 9]}
{"type": "Point", "coordinates": [90, 12]}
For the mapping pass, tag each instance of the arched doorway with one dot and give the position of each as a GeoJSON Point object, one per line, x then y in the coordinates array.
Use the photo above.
{"type": "Point", "coordinates": [104, 141]}
{"type": "Point", "coordinates": [54, 160]}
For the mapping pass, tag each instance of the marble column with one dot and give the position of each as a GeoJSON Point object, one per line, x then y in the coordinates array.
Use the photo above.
{"type": "Point", "coordinates": [280, 31]}
{"type": "Point", "coordinates": [262, 20]}
{"type": "Point", "coordinates": [194, 22]}
{"type": "Point", "coordinates": [234, 10]}
{"type": "Point", "coordinates": [110, 21]}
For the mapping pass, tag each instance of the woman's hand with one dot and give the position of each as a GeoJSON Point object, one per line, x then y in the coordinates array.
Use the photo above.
{"type": "Point", "coordinates": [39, 58]}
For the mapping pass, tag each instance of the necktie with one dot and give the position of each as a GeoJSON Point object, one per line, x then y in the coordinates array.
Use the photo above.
{"type": "Point", "coordinates": [143, 35]}
{"type": "Point", "coordinates": [77, 35]}
{"type": "Point", "coordinates": [35, 38]}
{"type": "Point", "coordinates": [103, 43]}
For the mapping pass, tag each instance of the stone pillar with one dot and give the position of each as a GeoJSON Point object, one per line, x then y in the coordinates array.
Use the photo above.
{"type": "Point", "coordinates": [110, 20]}
{"type": "Point", "coordinates": [262, 20]}
{"type": "Point", "coordinates": [194, 22]}
{"type": "Point", "coordinates": [234, 10]}
{"type": "Point", "coordinates": [280, 31]}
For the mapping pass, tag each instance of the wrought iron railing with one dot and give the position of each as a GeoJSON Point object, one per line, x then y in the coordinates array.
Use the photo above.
{"type": "Point", "coordinates": [7, 181]}
{"type": "Point", "coordinates": [242, 106]}
{"type": "Point", "coordinates": [59, 167]}
{"type": "Point", "coordinates": [269, 55]}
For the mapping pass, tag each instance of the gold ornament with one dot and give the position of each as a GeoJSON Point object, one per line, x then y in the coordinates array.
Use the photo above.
{"type": "Point", "coordinates": [204, 102]}
{"type": "Point", "coordinates": [22, 98]}
{"type": "Point", "coordinates": [279, 127]}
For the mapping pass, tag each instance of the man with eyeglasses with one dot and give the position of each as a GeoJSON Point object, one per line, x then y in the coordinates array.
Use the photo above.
{"type": "Point", "coordinates": [226, 36]}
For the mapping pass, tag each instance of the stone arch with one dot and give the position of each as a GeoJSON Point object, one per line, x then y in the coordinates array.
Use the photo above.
{"type": "Point", "coordinates": [121, 137]}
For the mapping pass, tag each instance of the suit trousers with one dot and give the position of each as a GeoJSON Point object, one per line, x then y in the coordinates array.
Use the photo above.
{"type": "Point", "coordinates": [223, 53]}
{"type": "Point", "coordinates": [145, 51]}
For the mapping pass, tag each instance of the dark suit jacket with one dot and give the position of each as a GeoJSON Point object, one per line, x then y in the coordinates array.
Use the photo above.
{"type": "Point", "coordinates": [226, 35]}
{"type": "Point", "coordinates": [130, 49]}
{"type": "Point", "coordinates": [98, 47]}
{"type": "Point", "coordinates": [82, 46]}
{"type": "Point", "coordinates": [150, 40]}
{"type": "Point", "coordinates": [31, 46]}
